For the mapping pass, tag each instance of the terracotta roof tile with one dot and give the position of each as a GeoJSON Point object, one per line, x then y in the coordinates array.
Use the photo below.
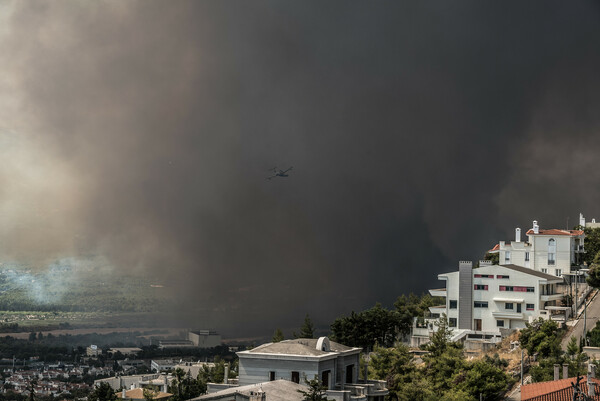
{"type": "Point", "coordinates": [556, 390]}
{"type": "Point", "coordinates": [555, 231]}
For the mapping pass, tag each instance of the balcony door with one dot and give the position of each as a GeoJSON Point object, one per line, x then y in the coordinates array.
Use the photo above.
{"type": "Point", "coordinates": [477, 324]}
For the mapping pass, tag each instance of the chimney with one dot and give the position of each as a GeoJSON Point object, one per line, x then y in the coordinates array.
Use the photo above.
{"type": "Point", "coordinates": [565, 371]}
{"type": "Point", "coordinates": [556, 372]}
{"type": "Point", "coordinates": [226, 376]}
{"type": "Point", "coordinates": [581, 220]}
{"type": "Point", "coordinates": [590, 382]}
{"type": "Point", "coordinates": [517, 234]}
{"type": "Point", "coordinates": [124, 394]}
{"type": "Point", "coordinates": [536, 228]}
{"type": "Point", "coordinates": [592, 370]}
{"type": "Point", "coordinates": [166, 384]}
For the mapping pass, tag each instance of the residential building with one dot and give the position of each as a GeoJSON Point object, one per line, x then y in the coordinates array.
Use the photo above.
{"type": "Point", "coordinates": [490, 301]}
{"type": "Point", "coordinates": [93, 350]}
{"type": "Point", "coordinates": [551, 251]}
{"type": "Point", "coordinates": [587, 224]}
{"type": "Point", "coordinates": [588, 387]}
{"type": "Point", "coordinates": [335, 365]}
{"type": "Point", "coordinates": [278, 390]}
{"type": "Point", "coordinates": [137, 381]}
{"type": "Point", "coordinates": [162, 365]}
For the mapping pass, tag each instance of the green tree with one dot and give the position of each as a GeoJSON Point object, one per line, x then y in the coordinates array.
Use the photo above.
{"type": "Point", "coordinates": [593, 278]}
{"type": "Point", "coordinates": [542, 337]}
{"type": "Point", "coordinates": [572, 347]}
{"type": "Point", "coordinates": [592, 245]}
{"type": "Point", "coordinates": [482, 378]}
{"type": "Point", "coordinates": [102, 392]}
{"type": "Point", "coordinates": [493, 257]}
{"type": "Point", "coordinates": [307, 330]}
{"type": "Point", "coordinates": [315, 392]}
{"type": "Point", "coordinates": [278, 336]}
{"type": "Point", "coordinates": [411, 307]}
{"type": "Point", "coordinates": [365, 329]}
{"type": "Point", "coordinates": [149, 394]}
{"type": "Point", "coordinates": [395, 366]}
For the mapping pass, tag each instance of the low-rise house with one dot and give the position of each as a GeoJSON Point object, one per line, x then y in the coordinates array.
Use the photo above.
{"type": "Point", "coordinates": [335, 365]}
{"type": "Point", "coordinates": [588, 387]}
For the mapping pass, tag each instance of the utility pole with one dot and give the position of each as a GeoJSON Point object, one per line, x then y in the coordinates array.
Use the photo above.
{"type": "Point", "coordinates": [522, 352]}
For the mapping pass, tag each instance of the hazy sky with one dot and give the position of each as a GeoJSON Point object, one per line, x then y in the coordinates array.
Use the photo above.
{"type": "Point", "coordinates": [420, 134]}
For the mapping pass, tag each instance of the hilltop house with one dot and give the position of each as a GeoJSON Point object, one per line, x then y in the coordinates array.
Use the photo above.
{"type": "Point", "coordinates": [490, 301]}
{"type": "Point", "coordinates": [550, 251]}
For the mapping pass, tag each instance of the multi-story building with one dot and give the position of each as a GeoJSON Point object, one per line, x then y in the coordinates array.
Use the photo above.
{"type": "Point", "coordinates": [485, 302]}
{"type": "Point", "coordinates": [551, 251]}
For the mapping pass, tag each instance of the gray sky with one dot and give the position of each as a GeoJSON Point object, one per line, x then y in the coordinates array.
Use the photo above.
{"type": "Point", "coordinates": [420, 134]}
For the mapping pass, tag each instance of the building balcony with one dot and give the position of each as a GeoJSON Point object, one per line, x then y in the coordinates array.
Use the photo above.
{"type": "Point", "coordinates": [439, 309]}
{"type": "Point", "coordinates": [507, 315]}
{"type": "Point", "coordinates": [551, 297]}
{"type": "Point", "coordinates": [438, 292]}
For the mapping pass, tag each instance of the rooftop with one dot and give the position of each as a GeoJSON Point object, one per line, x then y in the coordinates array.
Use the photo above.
{"type": "Point", "coordinates": [556, 390]}
{"type": "Point", "coordinates": [554, 231]}
{"type": "Point", "coordinates": [300, 346]}
{"type": "Point", "coordinates": [277, 390]}
{"type": "Point", "coordinates": [138, 394]}
{"type": "Point", "coordinates": [532, 272]}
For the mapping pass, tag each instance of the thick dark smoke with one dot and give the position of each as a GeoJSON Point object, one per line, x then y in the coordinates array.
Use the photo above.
{"type": "Point", "coordinates": [420, 133]}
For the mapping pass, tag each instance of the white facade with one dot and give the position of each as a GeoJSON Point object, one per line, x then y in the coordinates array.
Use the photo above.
{"type": "Point", "coordinates": [495, 297]}
{"type": "Point", "coordinates": [551, 251]}
{"type": "Point", "coordinates": [335, 365]}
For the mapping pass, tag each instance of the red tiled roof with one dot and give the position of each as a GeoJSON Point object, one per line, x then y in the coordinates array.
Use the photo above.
{"type": "Point", "coordinates": [556, 390]}
{"type": "Point", "coordinates": [555, 231]}
{"type": "Point", "coordinates": [495, 248]}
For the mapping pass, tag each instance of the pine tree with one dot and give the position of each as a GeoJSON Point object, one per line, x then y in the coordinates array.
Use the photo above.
{"type": "Point", "coordinates": [278, 336]}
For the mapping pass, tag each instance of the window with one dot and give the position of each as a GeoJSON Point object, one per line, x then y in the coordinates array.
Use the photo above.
{"type": "Point", "coordinates": [480, 304]}
{"type": "Point", "coordinates": [516, 288]}
{"type": "Point", "coordinates": [483, 275]}
{"type": "Point", "coordinates": [453, 304]}
{"type": "Point", "coordinates": [557, 272]}
{"type": "Point", "coordinates": [296, 377]}
{"type": "Point", "coordinates": [499, 323]}
{"type": "Point", "coordinates": [452, 322]}
{"type": "Point", "coordinates": [526, 256]}
{"type": "Point", "coordinates": [271, 376]}
{"type": "Point", "coordinates": [480, 287]}
{"type": "Point", "coordinates": [551, 252]}
{"type": "Point", "coordinates": [545, 271]}
{"type": "Point", "coordinates": [530, 306]}
{"type": "Point", "coordinates": [509, 305]}
{"type": "Point", "coordinates": [507, 257]}
{"type": "Point", "coordinates": [502, 276]}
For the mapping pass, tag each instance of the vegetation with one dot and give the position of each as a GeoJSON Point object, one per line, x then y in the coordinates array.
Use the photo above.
{"type": "Point", "coordinates": [446, 375]}
{"type": "Point", "coordinates": [315, 392]}
{"type": "Point", "coordinates": [278, 336]}
{"type": "Point", "coordinates": [365, 329]}
{"type": "Point", "coordinates": [541, 337]}
{"type": "Point", "coordinates": [379, 325]}
{"type": "Point", "coordinates": [102, 392]}
{"type": "Point", "coordinates": [307, 330]}
{"type": "Point", "coordinates": [185, 387]}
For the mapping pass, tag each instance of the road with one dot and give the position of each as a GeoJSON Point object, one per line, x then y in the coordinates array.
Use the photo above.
{"type": "Point", "coordinates": [593, 314]}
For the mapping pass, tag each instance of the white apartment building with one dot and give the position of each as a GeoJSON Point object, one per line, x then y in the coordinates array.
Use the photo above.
{"type": "Point", "coordinates": [551, 251]}
{"type": "Point", "coordinates": [482, 302]}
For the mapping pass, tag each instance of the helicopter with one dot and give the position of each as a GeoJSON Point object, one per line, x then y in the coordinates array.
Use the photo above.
{"type": "Point", "coordinates": [279, 173]}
